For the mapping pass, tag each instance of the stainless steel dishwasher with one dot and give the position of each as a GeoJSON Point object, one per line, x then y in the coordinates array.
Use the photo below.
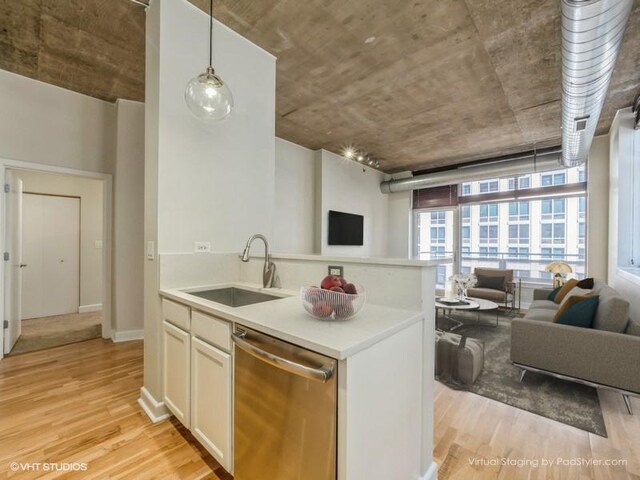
{"type": "Point", "coordinates": [285, 410]}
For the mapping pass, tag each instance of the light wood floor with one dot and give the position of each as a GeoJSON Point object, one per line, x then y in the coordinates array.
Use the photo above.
{"type": "Point", "coordinates": [77, 403]}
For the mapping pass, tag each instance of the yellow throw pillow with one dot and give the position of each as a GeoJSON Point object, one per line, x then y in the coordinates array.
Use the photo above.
{"type": "Point", "coordinates": [571, 301]}
{"type": "Point", "coordinates": [566, 288]}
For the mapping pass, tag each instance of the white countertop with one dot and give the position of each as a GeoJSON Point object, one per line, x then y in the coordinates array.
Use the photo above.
{"type": "Point", "coordinates": [286, 319]}
{"type": "Point", "coordinates": [404, 262]}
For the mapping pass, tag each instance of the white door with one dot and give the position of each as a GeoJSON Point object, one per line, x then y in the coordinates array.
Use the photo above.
{"type": "Point", "coordinates": [51, 239]}
{"type": "Point", "coordinates": [13, 267]}
{"type": "Point", "coordinates": [211, 400]}
{"type": "Point", "coordinates": [176, 368]}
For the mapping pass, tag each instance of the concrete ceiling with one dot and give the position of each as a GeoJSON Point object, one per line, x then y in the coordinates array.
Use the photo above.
{"type": "Point", "coordinates": [95, 47]}
{"type": "Point", "coordinates": [443, 82]}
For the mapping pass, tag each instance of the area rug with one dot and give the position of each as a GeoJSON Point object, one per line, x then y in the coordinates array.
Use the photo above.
{"type": "Point", "coordinates": [47, 332]}
{"type": "Point", "coordinates": [566, 402]}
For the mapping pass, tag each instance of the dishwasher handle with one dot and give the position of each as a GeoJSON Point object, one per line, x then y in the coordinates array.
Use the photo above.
{"type": "Point", "coordinates": [320, 374]}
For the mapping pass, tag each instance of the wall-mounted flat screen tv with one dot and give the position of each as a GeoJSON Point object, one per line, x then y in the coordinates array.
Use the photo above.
{"type": "Point", "coordinates": [345, 228]}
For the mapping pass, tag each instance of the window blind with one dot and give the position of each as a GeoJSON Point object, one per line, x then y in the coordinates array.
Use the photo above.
{"type": "Point", "coordinates": [435, 197]}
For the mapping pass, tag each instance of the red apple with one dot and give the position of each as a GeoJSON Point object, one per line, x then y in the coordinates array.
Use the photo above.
{"type": "Point", "coordinates": [322, 309]}
{"type": "Point", "coordinates": [314, 295]}
{"type": "Point", "coordinates": [350, 288]}
{"type": "Point", "coordinates": [344, 310]}
{"type": "Point", "coordinates": [330, 281]}
{"type": "Point", "coordinates": [337, 289]}
{"type": "Point", "coordinates": [343, 282]}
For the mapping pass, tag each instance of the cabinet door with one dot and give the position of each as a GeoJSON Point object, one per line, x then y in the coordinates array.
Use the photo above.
{"type": "Point", "coordinates": [177, 364]}
{"type": "Point", "coordinates": [211, 400]}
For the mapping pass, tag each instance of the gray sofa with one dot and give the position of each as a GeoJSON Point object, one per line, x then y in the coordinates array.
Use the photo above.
{"type": "Point", "coordinates": [606, 355]}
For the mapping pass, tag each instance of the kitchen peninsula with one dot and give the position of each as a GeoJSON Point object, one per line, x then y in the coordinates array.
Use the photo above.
{"type": "Point", "coordinates": [383, 376]}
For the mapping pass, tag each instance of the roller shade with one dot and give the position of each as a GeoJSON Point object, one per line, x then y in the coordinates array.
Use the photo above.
{"type": "Point", "coordinates": [436, 197]}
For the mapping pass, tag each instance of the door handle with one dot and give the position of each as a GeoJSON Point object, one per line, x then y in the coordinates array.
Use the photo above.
{"type": "Point", "coordinates": [22, 265]}
{"type": "Point", "coordinates": [321, 374]}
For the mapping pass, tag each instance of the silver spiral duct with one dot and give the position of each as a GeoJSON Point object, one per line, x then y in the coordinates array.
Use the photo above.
{"type": "Point", "coordinates": [592, 33]}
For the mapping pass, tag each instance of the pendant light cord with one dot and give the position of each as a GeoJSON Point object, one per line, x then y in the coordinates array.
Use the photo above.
{"type": "Point", "coordinates": [211, 33]}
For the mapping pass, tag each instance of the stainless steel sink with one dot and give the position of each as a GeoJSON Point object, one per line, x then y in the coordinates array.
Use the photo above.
{"type": "Point", "coordinates": [234, 296]}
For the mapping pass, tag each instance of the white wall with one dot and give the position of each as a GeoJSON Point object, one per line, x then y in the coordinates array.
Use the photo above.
{"type": "Point", "coordinates": [294, 223]}
{"type": "Point", "coordinates": [399, 242]}
{"type": "Point", "coordinates": [46, 124]}
{"type": "Point", "coordinates": [91, 224]}
{"type": "Point", "coordinates": [214, 183]}
{"type": "Point", "coordinates": [128, 218]}
{"type": "Point", "coordinates": [598, 208]}
{"type": "Point", "coordinates": [347, 186]}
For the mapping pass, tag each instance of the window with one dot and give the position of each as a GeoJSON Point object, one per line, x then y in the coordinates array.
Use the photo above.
{"type": "Point", "coordinates": [518, 211]}
{"type": "Point", "coordinates": [553, 179]}
{"type": "Point", "coordinates": [488, 234]}
{"type": "Point", "coordinates": [489, 212]}
{"type": "Point", "coordinates": [519, 233]}
{"type": "Point", "coordinates": [552, 253]}
{"type": "Point", "coordinates": [466, 213]}
{"type": "Point", "coordinates": [519, 253]}
{"type": "Point", "coordinates": [466, 234]}
{"type": "Point", "coordinates": [489, 186]}
{"type": "Point", "coordinates": [582, 174]}
{"type": "Point", "coordinates": [488, 252]}
{"type": "Point", "coordinates": [438, 235]}
{"type": "Point", "coordinates": [438, 217]}
{"type": "Point", "coordinates": [523, 234]}
{"type": "Point", "coordinates": [553, 233]}
{"type": "Point", "coordinates": [553, 209]}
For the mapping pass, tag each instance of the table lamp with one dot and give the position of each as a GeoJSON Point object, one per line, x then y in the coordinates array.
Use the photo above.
{"type": "Point", "coordinates": [559, 270]}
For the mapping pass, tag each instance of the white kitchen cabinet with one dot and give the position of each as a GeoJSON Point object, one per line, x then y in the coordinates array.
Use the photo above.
{"type": "Point", "coordinates": [211, 400]}
{"type": "Point", "coordinates": [177, 368]}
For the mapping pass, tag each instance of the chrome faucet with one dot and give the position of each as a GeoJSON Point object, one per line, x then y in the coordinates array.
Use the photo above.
{"type": "Point", "coordinates": [269, 271]}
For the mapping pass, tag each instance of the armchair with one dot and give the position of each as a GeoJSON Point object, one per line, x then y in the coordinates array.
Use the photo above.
{"type": "Point", "coordinates": [502, 292]}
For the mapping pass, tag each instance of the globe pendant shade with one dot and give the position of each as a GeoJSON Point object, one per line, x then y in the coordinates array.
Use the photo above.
{"type": "Point", "coordinates": [208, 97]}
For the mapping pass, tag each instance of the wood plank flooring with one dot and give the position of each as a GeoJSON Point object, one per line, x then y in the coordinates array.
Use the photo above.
{"type": "Point", "coordinates": [77, 403]}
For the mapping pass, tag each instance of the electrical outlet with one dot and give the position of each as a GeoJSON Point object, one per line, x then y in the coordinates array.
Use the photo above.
{"type": "Point", "coordinates": [202, 247]}
{"type": "Point", "coordinates": [337, 270]}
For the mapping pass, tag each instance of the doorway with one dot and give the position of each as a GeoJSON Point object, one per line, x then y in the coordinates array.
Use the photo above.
{"type": "Point", "coordinates": [54, 278]}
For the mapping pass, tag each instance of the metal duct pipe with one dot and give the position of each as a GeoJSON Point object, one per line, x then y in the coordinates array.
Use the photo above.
{"type": "Point", "coordinates": [592, 33]}
{"type": "Point", "coordinates": [516, 165]}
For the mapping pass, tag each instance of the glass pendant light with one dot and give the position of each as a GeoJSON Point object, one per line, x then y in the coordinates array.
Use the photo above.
{"type": "Point", "coordinates": [207, 96]}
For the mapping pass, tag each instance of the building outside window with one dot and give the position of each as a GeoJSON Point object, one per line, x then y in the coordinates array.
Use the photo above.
{"type": "Point", "coordinates": [518, 211]}
{"type": "Point", "coordinates": [489, 212]}
{"type": "Point", "coordinates": [523, 235]}
{"type": "Point", "coordinates": [489, 186]}
{"type": "Point", "coordinates": [554, 209]}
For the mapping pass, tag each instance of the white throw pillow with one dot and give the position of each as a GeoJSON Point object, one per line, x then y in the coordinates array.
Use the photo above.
{"type": "Point", "coordinates": [574, 291]}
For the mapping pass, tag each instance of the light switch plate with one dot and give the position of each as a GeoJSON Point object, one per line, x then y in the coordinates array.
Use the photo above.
{"type": "Point", "coordinates": [337, 270]}
{"type": "Point", "coordinates": [202, 247]}
{"type": "Point", "coordinates": [151, 250]}
{"type": "Point", "coordinates": [97, 244]}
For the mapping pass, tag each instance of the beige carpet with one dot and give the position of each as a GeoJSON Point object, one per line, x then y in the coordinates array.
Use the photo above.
{"type": "Point", "coordinates": [47, 332]}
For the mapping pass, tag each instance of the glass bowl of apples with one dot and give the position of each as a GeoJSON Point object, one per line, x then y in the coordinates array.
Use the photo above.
{"type": "Point", "coordinates": [334, 299]}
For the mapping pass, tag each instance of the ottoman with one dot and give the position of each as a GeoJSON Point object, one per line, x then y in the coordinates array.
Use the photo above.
{"type": "Point", "coordinates": [458, 358]}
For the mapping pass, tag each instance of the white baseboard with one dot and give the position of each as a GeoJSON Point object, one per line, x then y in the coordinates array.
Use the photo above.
{"type": "Point", "coordinates": [96, 307]}
{"type": "Point", "coordinates": [156, 411]}
{"type": "Point", "coordinates": [127, 335]}
{"type": "Point", "coordinates": [431, 473]}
